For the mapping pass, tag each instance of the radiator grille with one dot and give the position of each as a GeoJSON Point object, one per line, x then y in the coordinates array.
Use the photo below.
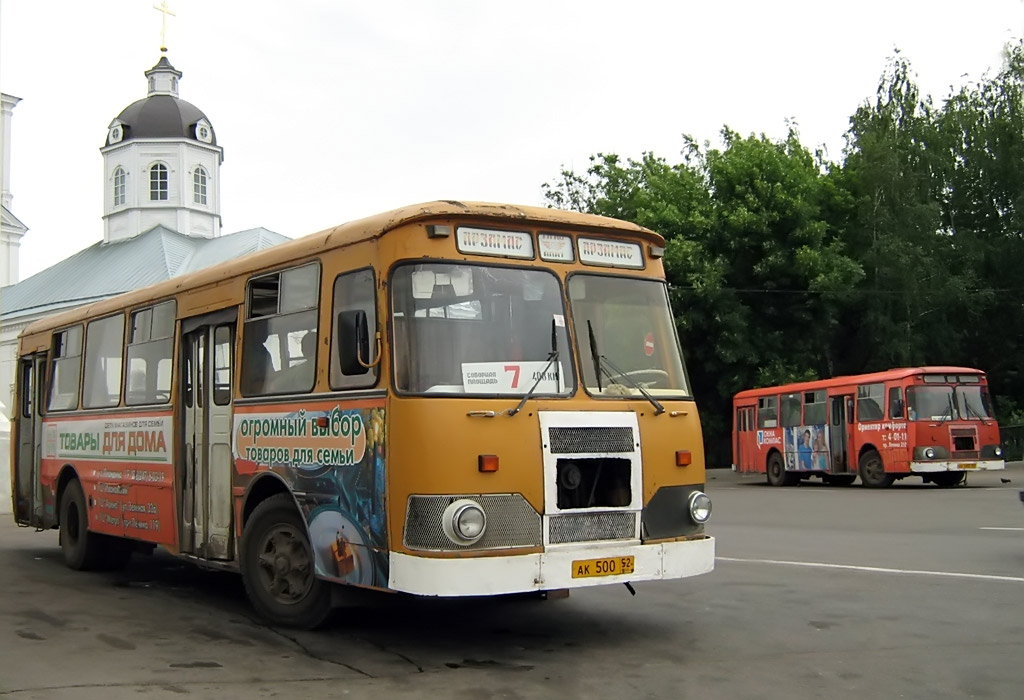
{"type": "Point", "coordinates": [590, 527]}
{"type": "Point", "coordinates": [591, 440]}
{"type": "Point", "coordinates": [511, 522]}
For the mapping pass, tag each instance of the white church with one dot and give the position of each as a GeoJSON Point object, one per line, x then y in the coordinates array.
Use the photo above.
{"type": "Point", "coordinates": [161, 218]}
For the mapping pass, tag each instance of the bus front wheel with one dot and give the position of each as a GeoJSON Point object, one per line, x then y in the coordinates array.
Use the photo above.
{"type": "Point", "coordinates": [278, 566]}
{"type": "Point", "coordinates": [81, 548]}
{"type": "Point", "coordinates": [872, 471]}
{"type": "Point", "coordinates": [777, 474]}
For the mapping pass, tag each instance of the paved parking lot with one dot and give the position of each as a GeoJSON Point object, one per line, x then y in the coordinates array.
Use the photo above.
{"type": "Point", "coordinates": [912, 592]}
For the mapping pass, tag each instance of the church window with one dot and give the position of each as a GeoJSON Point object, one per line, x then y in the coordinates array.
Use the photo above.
{"type": "Point", "coordinates": [119, 179]}
{"type": "Point", "coordinates": [199, 185]}
{"type": "Point", "coordinates": [158, 182]}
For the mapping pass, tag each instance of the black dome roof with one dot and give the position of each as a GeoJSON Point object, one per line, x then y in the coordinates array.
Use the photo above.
{"type": "Point", "coordinates": [161, 116]}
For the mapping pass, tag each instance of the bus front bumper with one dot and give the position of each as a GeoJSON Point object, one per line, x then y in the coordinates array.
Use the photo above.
{"type": "Point", "coordinates": [550, 570]}
{"type": "Point", "coordinates": [988, 464]}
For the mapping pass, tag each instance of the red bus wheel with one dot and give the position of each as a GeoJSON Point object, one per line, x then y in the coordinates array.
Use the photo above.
{"type": "Point", "coordinates": [872, 471]}
{"type": "Point", "coordinates": [777, 474]}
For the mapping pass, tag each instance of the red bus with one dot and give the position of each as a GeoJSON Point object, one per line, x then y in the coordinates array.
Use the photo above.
{"type": "Point", "coordinates": [932, 422]}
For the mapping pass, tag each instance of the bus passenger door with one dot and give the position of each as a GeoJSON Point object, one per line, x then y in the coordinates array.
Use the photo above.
{"type": "Point", "coordinates": [840, 439]}
{"type": "Point", "coordinates": [205, 484]}
{"type": "Point", "coordinates": [746, 449]}
{"type": "Point", "coordinates": [28, 490]}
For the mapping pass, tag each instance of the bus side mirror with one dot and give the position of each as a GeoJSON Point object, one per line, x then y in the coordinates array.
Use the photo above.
{"type": "Point", "coordinates": [353, 342]}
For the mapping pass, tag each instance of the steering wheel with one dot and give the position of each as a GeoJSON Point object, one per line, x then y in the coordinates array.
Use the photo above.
{"type": "Point", "coordinates": [654, 375]}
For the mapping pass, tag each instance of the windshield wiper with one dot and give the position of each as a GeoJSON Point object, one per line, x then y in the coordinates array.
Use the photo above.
{"type": "Point", "coordinates": [969, 410]}
{"type": "Point", "coordinates": [603, 363]}
{"type": "Point", "coordinates": [552, 357]}
{"type": "Point", "coordinates": [949, 409]}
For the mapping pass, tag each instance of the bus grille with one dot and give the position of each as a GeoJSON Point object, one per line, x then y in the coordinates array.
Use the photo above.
{"type": "Point", "coordinates": [511, 522]}
{"type": "Point", "coordinates": [589, 527]}
{"type": "Point", "coordinates": [591, 440]}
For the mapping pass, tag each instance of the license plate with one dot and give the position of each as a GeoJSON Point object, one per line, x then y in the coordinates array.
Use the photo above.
{"type": "Point", "coordinates": [969, 465]}
{"type": "Point", "coordinates": [610, 566]}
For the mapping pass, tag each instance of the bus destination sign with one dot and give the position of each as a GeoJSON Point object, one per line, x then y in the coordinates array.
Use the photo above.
{"type": "Point", "coordinates": [555, 247]}
{"type": "Point", "coordinates": [595, 251]}
{"type": "Point", "coordinates": [505, 244]}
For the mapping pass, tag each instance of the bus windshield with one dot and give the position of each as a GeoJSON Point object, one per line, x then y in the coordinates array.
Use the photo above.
{"type": "Point", "coordinates": [479, 329]}
{"type": "Point", "coordinates": [626, 336]}
{"type": "Point", "coordinates": [938, 403]}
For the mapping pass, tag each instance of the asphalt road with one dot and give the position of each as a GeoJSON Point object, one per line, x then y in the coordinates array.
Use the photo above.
{"type": "Point", "coordinates": [819, 592]}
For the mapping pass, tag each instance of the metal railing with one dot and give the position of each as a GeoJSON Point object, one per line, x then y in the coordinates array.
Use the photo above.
{"type": "Point", "coordinates": [1012, 437]}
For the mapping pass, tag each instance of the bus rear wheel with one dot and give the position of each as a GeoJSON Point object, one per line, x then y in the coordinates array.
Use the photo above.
{"type": "Point", "coordinates": [278, 566]}
{"type": "Point", "coordinates": [947, 479]}
{"type": "Point", "coordinates": [81, 548]}
{"type": "Point", "coordinates": [777, 474]}
{"type": "Point", "coordinates": [872, 471]}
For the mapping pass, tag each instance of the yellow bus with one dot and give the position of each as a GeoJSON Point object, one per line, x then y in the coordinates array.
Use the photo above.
{"type": "Point", "coordinates": [448, 399]}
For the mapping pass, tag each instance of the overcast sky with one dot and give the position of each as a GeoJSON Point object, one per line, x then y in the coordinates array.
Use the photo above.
{"type": "Point", "coordinates": [329, 110]}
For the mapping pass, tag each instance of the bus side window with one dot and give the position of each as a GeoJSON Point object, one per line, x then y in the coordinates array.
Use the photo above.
{"type": "Point", "coordinates": [150, 354]}
{"type": "Point", "coordinates": [355, 292]}
{"type": "Point", "coordinates": [281, 310]}
{"type": "Point", "coordinates": [869, 402]}
{"type": "Point", "coordinates": [104, 343]}
{"type": "Point", "coordinates": [767, 415]}
{"type": "Point", "coordinates": [66, 367]}
{"type": "Point", "coordinates": [895, 402]}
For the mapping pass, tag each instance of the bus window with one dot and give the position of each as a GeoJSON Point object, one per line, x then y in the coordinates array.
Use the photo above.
{"type": "Point", "coordinates": [869, 402]}
{"type": "Point", "coordinates": [67, 365]}
{"type": "Point", "coordinates": [222, 365]}
{"type": "Point", "coordinates": [354, 291]}
{"type": "Point", "coordinates": [930, 403]}
{"type": "Point", "coordinates": [479, 329]}
{"type": "Point", "coordinates": [895, 402]}
{"type": "Point", "coordinates": [814, 407]}
{"type": "Point", "coordinates": [281, 313]}
{"type": "Point", "coordinates": [104, 343]}
{"type": "Point", "coordinates": [973, 402]}
{"type": "Point", "coordinates": [791, 410]}
{"type": "Point", "coordinates": [767, 416]}
{"type": "Point", "coordinates": [150, 347]}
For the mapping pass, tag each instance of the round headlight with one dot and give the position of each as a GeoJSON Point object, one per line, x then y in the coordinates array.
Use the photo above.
{"type": "Point", "coordinates": [464, 521]}
{"type": "Point", "coordinates": [700, 507]}
{"type": "Point", "coordinates": [998, 451]}
{"type": "Point", "coordinates": [929, 453]}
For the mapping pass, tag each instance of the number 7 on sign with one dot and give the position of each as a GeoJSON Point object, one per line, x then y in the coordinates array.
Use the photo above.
{"type": "Point", "coordinates": [514, 369]}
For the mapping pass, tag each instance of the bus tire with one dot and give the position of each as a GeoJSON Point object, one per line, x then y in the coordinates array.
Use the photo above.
{"type": "Point", "coordinates": [872, 471]}
{"type": "Point", "coordinates": [81, 548]}
{"type": "Point", "coordinates": [279, 567]}
{"type": "Point", "coordinates": [777, 474]}
{"type": "Point", "coordinates": [947, 479]}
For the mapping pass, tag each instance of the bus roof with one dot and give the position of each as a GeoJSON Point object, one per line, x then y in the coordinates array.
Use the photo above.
{"type": "Point", "coordinates": [346, 234]}
{"type": "Point", "coordinates": [886, 375]}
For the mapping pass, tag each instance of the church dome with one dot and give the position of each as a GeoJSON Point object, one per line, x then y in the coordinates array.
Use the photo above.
{"type": "Point", "coordinates": [162, 116]}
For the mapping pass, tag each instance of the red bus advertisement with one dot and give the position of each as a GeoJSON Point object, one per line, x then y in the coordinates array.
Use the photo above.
{"type": "Point", "coordinates": [932, 422]}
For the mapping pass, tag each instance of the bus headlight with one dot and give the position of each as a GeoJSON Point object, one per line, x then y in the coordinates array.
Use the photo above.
{"type": "Point", "coordinates": [929, 453]}
{"type": "Point", "coordinates": [998, 451]}
{"type": "Point", "coordinates": [700, 507]}
{"type": "Point", "coordinates": [464, 521]}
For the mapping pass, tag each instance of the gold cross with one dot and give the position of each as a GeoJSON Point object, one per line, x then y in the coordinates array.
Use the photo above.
{"type": "Point", "coordinates": [162, 7]}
